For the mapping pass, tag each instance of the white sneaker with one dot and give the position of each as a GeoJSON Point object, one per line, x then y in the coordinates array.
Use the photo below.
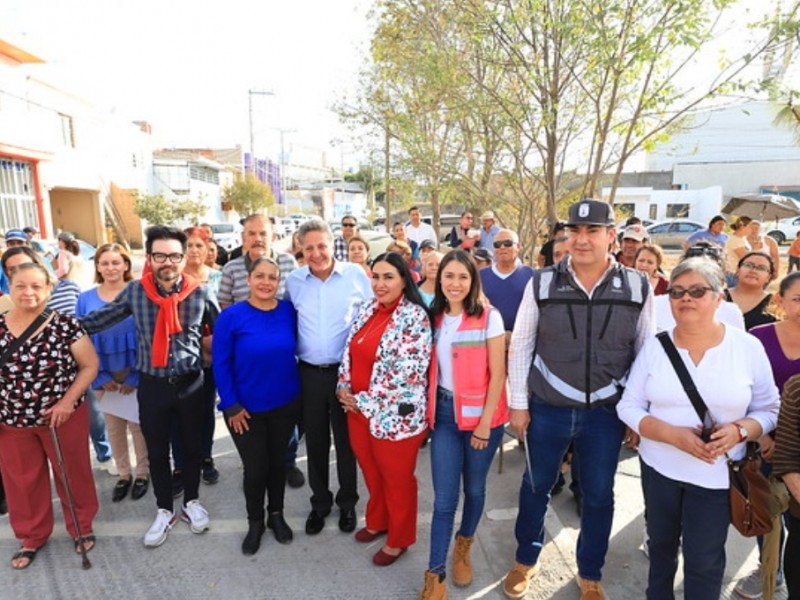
{"type": "Point", "coordinates": [157, 534]}
{"type": "Point", "coordinates": [750, 587]}
{"type": "Point", "coordinates": [195, 515]}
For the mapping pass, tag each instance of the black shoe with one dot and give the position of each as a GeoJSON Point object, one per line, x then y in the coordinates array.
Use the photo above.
{"type": "Point", "coordinates": [252, 541]}
{"type": "Point", "coordinates": [210, 473]}
{"type": "Point", "coordinates": [140, 485]}
{"type": "Point", "coordinates": [295, 477]}
{"type": "Point", "coordinates": [315, 522]}
{"type": "Point", "coordinates": [177, 484]}
{"type": "Point", "coordinates": [121, 490]}
{"type": "Point", "coordinates": [280, 528]}
{"type": "Point", "coordinates": [347, 520]}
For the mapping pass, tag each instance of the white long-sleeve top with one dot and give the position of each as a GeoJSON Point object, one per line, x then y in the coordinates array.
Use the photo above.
{"type": "Point", "coordinates": [735, 381]}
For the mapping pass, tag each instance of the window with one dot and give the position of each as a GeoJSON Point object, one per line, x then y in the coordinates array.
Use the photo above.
{"type": "Point", "coordinates": [204, 174]}
{"type": "Point", "coordinates": [67, 134]}
{"type": "Point", "coordinates": [659, 228]}
{"type": "Point", "coordinates": [677, 210]}
{"type": "Point", "coordinates": [653, 211]}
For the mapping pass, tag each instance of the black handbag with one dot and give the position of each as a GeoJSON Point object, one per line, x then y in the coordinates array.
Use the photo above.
{"type": "Point", "coordinates": [751, 499]}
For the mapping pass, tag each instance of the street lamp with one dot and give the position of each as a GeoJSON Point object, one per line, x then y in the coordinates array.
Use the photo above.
{"type": "Point", "coordinates": [250, 94]}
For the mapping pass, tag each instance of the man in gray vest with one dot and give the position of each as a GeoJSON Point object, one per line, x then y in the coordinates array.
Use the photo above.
{"type": "Point", "coordinates": [578, 329]}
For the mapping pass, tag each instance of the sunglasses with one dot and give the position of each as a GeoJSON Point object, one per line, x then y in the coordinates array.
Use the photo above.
{"type": "Point", "coordinates": [348, 224]}
{"type": "Point", "coordinates": [504, 244]}
{"type": "Point", "coordinates": [696, 292]}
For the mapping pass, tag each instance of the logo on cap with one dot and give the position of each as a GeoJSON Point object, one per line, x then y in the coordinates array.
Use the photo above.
{"type": "Point", "coordinates": [583, 210]}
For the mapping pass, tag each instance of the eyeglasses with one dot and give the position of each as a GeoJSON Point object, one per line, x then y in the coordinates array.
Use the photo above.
{"type": "Point", "coordinates": [696, 292]}
{"type": "Point", "coordinates": [755, 267]}
{"type": "Point", "coordinates": [348, 224]}
{"type": "Point", "coordinates": [160, 257]}
{"type": "Point", "coordinates": [504, 244]}
{"type": "Point", "coordinates": [696, 251]}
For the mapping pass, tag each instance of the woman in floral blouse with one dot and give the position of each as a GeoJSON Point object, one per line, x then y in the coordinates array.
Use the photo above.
{"type": "Point", "coordinates": [43, 384]}
{"type": "Point", "coordinates": [382, 387]}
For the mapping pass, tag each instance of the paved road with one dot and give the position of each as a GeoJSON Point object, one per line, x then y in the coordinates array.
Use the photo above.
{"type": "Point", "coordinates": [331, 565]}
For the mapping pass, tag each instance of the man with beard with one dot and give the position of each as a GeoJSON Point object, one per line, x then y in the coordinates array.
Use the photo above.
{"type": "Point", "coordinates": [256, 241]}
{"type": "Point", "coordinates": [174, 315]}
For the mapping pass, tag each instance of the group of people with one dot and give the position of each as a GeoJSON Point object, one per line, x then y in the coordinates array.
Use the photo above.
{"type": "Point", "coordinates": [565, 355]}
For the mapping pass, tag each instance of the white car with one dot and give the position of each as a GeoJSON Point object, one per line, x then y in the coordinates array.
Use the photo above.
{"type": "Point", "coordinates": [784, 230]}
{"type": "Point", "coordinates": [227, 235]}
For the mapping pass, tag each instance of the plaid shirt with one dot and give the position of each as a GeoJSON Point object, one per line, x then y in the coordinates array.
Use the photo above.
{"type": "Point", "coordinates": [185, 348]}
{"type": "Point", "coordinates": [340, 249]}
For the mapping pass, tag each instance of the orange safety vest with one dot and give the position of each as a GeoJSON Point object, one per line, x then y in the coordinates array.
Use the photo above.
{"type": "Point", "coordinates": [470, 357]}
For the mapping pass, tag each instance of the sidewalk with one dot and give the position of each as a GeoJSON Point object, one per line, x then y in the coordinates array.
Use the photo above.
{"type": "Point", "coordinates": [331, 565]}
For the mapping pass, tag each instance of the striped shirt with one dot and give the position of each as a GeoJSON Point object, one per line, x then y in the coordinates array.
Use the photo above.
{"type": "Point", "coordinates": [64, 298]}
{"type": "Point", "coordinates": [786, 458]}
{"type": "Point", "coordinates": [198, 311]}
{"type": "Point", "coordinates": [233, 286]}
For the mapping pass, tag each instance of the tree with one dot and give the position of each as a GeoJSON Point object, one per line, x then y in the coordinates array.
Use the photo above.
{"type": "Point", "coordinates": [155, 209]}
{"type": "Point", "coordinates": [247, 195]}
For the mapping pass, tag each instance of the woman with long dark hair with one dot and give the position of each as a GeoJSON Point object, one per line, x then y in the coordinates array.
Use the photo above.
{"type": "Point", "coordinates": [382, 387]}
{"type": "Point", "coordinates": [467, 409]}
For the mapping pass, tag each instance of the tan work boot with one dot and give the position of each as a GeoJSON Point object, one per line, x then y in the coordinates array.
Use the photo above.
{"type": "Point", "coordinates": [435, 587]}
{"type": "Point", "coordinates": [590, 590]}
{"type": "Point", "coordinates": [462, 565]}
{"type": "Point", "coordinates": [517, 580]}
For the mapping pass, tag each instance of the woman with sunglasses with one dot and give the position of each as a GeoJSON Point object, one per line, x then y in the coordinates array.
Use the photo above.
{"type": "Point", "coordinates": [684, 457]}
{"type": "Point", "coordinates": [753, 274]}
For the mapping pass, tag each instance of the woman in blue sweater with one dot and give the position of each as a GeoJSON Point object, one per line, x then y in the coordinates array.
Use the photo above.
{"type": "Point", "coordinates": [253, 356]}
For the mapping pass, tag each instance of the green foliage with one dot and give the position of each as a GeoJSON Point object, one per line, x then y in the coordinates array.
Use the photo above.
{"type": "Point", "coordinates": [160, 210]}
{"type": "Point", "coordinates": [247, 195]}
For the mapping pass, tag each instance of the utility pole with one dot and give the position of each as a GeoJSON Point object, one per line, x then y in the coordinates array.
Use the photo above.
{"type": "Point", "coordinates": [250, 94]}
{"type": "Point", "coordinates": [282, 131]}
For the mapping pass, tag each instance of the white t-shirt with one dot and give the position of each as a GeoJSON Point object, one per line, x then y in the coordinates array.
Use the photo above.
{"type": "Point", "coordinates": [727, 313]}
{"type": "Point", "coordinates": [444, 342]}
{"type": "Point", "coordinates": [734, 380]}
{"type": "Point", "coordinates": [421, 233]}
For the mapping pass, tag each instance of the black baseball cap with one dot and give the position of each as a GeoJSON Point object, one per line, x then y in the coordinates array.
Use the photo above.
{"type": "Point", "coordinates": [591, 212]}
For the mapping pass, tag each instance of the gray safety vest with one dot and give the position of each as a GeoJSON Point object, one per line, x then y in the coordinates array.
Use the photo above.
{"type": "Point", "coordinates": [585, 346]}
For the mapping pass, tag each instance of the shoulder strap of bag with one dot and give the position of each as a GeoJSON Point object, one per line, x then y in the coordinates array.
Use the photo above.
{"type": "Point", "coordinates": [15, 345]}
{"type": "Point", "coordinates": [683, 375]}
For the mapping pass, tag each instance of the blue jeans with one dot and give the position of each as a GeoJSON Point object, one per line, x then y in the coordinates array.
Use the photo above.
{"type": "Point", "coordinates": [597, 436]}
{"type": "Point", "coordinates": [701, 517]}
{"type": "Point", "coordinates": [97, 428]}
{"type": "Point", "coordinates": [451, 457]}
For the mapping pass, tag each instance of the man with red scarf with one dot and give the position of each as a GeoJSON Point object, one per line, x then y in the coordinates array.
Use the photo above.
{"type": "Point", "coordinates": [174, 316]}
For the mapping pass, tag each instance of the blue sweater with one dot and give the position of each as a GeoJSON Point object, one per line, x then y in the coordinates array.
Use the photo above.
{"type": "Point", "coordinates": [253, 356]}
{"type": "Point", "coordinates": [506, 294]}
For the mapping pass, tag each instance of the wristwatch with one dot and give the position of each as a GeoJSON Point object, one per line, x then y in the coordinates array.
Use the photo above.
{"type": "Point", "coordinates": [743, 433]}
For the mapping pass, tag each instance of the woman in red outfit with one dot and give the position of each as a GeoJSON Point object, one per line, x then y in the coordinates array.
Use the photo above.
{"type": "Point", "coordinates": [42, 385]}
{"type": "Point", "coordinates": [382, 386]}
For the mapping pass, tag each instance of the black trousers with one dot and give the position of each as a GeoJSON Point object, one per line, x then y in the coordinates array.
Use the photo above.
{"type": "Point", "coordinates": [161, 404]}
{"type": "Point", "coordinates": [322, 414]}
{"type": "Point", "coordinates": [791, 557]}
{"type": "Point", "coordinates": [262, 449]}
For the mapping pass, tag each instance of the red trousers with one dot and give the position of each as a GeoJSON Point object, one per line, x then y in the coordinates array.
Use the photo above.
{"type": "Point", "coordinates": [24, 455]}
{"type": "Point", "coordinates": [388, 468]}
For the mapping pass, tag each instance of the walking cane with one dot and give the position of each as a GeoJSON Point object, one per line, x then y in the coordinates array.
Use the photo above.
{"type": "Point", "coordinates": [65, 480]}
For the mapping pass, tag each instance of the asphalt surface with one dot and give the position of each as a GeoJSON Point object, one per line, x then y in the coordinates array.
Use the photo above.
{"type": "Point", "coordinates": [330, 565]}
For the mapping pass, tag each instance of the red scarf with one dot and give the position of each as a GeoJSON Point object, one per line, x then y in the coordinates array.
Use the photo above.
{"type": "Point", "coordinates": [167, 321]}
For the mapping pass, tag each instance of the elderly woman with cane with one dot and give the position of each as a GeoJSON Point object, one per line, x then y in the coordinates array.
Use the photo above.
{"type": "Point", "coordinates": [47, 362]}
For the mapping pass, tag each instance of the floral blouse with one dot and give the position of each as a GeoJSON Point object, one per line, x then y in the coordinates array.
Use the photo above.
{"type": "Point", "coordinates": [38, 374]}
{"type": "Point", "coordinates": [399, 374]}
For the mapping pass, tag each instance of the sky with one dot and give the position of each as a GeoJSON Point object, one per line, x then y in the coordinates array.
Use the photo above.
{"type": "Point", "coordinates": [187, 66]}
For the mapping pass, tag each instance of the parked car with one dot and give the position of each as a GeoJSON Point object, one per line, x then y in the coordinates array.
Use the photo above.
{"type": "Point", "coordinates": [49, 248]}
{"type": "Point", "coordinates": [672, 233]}
{"type": "Point", "coordinates": [784, 230]}
{"type": "Point", "coordinates": [288, 224]}
{"type": "Point", "coordinates": [227, 235]}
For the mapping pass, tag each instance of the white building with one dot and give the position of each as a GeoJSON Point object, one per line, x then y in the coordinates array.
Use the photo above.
{"type": "Point", "coordinates": [646, 203]}
{"type": "Point", "coordinates": [64, 164]}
